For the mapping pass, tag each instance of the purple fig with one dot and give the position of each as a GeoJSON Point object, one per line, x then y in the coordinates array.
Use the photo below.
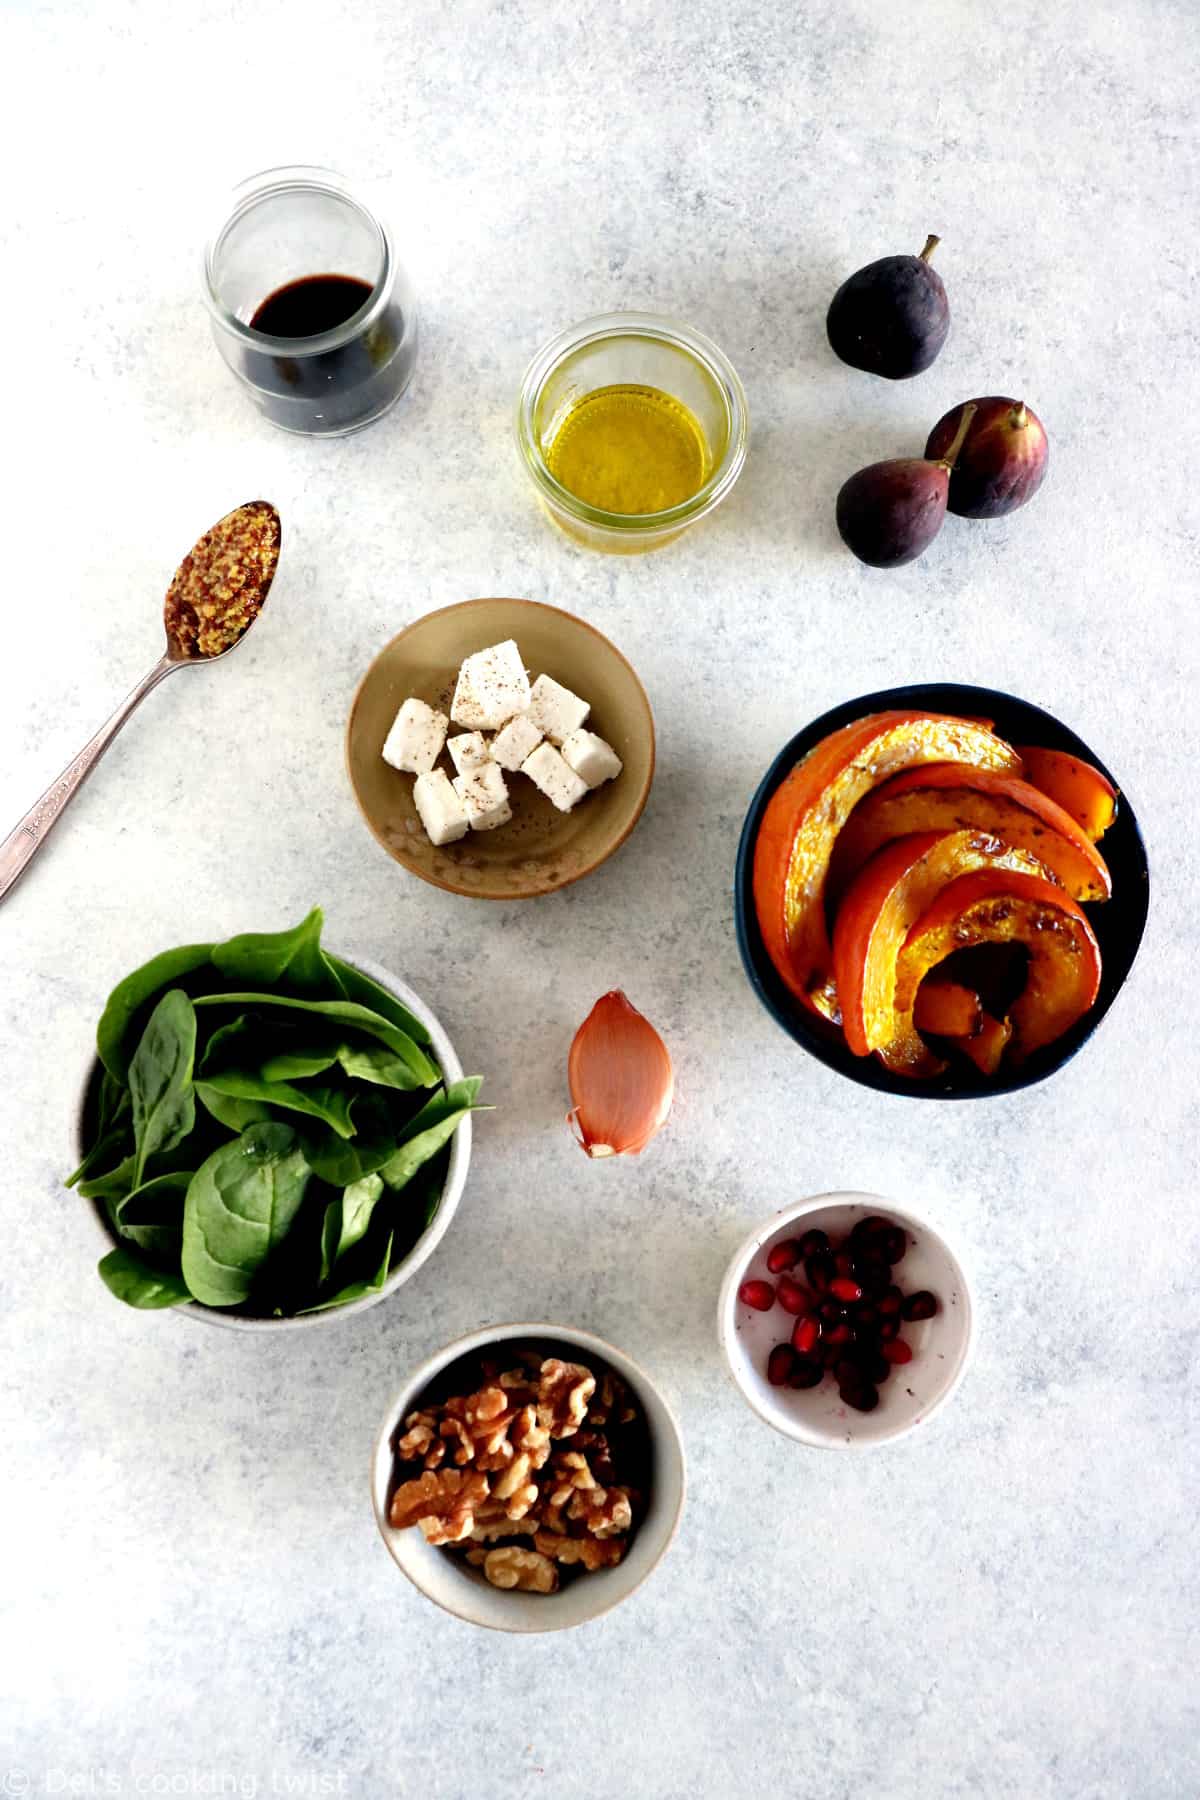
{"type": "Point", "coordinates": [891, 511]}
{"type": "Point", "coordinates": [1002, 461]}
{"type": "Point", "coordinates": [891, 318]}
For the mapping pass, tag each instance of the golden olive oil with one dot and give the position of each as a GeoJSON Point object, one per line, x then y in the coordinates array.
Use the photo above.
{"type": "Point", "coordinates": [630, 450]}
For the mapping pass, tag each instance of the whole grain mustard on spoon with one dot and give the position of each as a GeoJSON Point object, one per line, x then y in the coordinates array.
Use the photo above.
{"type": "Point", "coordinates": [215, 595]}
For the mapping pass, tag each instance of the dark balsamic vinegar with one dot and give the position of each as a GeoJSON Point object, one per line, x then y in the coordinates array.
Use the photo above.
{"type": "Point", "coordinates": [311, 306]}
{"type": "Point", "coordinates": [336, 390]}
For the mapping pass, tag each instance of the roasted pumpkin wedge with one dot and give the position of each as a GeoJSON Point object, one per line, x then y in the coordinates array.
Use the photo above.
{"type": "Point", "coordinates": [986, 1046]}
{"type": "Point", "coordinates": [806, 812]}
{"type": "Point", "coordinates": [997, 906]}
{"type": "Point", "coordinates": [947, 1009]}
{"type": "Point", "coordinates": [947, 796]}
{"type": "Point", "coordinates": [1081, 790]}
{"type": "Point", "coordinates": [895, 889]}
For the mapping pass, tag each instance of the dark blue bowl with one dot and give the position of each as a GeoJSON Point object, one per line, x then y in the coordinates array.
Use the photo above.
{"type": "Point", "coordinates": [1118, 923]}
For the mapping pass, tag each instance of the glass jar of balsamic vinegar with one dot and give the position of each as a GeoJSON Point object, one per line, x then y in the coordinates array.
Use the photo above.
{"type": "Point", "coordinates": [310, 307]}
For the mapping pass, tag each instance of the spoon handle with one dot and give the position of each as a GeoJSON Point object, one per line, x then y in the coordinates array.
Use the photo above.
{"type": "Point", "coordinates": [31, 832]}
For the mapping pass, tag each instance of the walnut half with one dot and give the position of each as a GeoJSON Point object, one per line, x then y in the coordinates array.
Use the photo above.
{"type": "Point", "coordinates": [442, 1503]}
{"type": "Point", "coordinates": [513, 1567]}
{"type": "Point", "coordinates": [564, 1390]}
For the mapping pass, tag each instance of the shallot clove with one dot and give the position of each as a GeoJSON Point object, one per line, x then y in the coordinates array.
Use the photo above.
{"type": "Point", "coordinates": [621, 1079]}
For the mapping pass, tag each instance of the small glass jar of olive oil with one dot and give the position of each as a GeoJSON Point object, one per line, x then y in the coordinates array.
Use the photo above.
{"type": "Point", "coordinates": [631, 427]}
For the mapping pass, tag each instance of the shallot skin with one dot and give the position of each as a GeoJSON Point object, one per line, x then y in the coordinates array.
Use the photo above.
{"type": "Point", "coordinates": [621, 1080]}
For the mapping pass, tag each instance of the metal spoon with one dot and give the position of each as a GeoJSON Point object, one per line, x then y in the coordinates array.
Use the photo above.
{"type": "Point", "coordinates": [215, 596]}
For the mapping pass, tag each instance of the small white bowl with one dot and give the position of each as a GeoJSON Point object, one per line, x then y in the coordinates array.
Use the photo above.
{"type": "Point", "coordinates": [462, 1590]}
{"type": "Point", "coordinates": [456, 1178]}
{"type": "Point", "coordinates": [941, 1346]}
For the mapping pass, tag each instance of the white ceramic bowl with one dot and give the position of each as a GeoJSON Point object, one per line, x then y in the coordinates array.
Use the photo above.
{"type": "Point", "coordinates": [462, 1590]}
{"type": "Point", "coordinates": [426, 1244]}
{"type": "Point", "coordinates": [942, 1346]}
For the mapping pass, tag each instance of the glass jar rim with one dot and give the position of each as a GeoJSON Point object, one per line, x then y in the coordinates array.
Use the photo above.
{"type": "Point", "coordinates": [665, 330]}
{"type": "Point", "coordinates": [290, 178]}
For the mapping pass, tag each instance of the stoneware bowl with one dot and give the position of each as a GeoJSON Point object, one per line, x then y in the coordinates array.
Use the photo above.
{"type": "Point", "coordinates": [942, 1346]}
{"type": "Point", "coordinates": [541, 849]}
{"type": "Point", "coordinates": [462, 1590]}
{"type": "Point", "coordinates": [456, 1177]}
{"type": "Point", "coordinates": [1118, 924]}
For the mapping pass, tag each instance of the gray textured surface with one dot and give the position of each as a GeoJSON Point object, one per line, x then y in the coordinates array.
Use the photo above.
{"type": "Point", "coordinates": [1005, 1607]}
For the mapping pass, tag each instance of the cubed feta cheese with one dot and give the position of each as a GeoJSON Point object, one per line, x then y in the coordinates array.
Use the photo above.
{"type": "Point", "coordinates": [519, 739]}
{"type": "Point", "coordinates": [492, 686]}
{"type": "Point", "coordinates": [439, 808]}
{"type": "Point", "coordinates": [469, 750]}
{"type": "Point", "coordinates": [594, 761]}
{"type": "Point", "coordinates": [547, 771]}
{"type": "Point", "coordinates": [415, 741]}
{"type": "Point", "coordinates": [555, 710]}
{"type": "Point", "coordinates": [484, 793]}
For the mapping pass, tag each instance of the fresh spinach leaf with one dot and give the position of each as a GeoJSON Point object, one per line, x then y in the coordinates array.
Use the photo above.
{"type": "Point", "coordinates": [417, 1149]}
{"type": "Point", "coordinates": [297, 1064]}
{"type": "Point", "coordinates": [330, 1105]}
{"type": "Point", "coordinates": [459, 1097]}
{"type": "Point", "coordinates": [378, 1065]}
{"type": "Point", "coordinates": [130, 995]}
{"type": "Point", "coordinates": [152, 1215]}
{"type": "Point", "coordinates": [230, 1068]}
{"type": "Point", "coordinates": [160, 1079]}
{"type": "Point", "coordinates": [344, 1013]}
{"type": "Point", "coordinates": [378, 1127]}
{"type": "Point", "coordinates": [240, 1206]}
{"type": "Point", "coordinates": [112, 1129]}
{"type": "Point", "coordinates": [234, 1114]}
{"type": "Point", "coordinates": [355, 1290]}
{"type": "Point", "coordinates": [347, 1219]}
{"type": "Point", "coordinates": [137, 1284]}
{"type": "Point", "coordinates": [360, 987]}
{"type": "Point", "coordinates": [331, 1231]}
{"type": "Point", "coordinates": [291, 958]}
{"type": "Point", "coordinates": [113, 1186]}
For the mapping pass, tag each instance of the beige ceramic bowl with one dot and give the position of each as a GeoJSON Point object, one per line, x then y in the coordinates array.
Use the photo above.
{"type": "Point", "coordinates": [462, 1590]}
{"type": "Point", "coordinates": [542, 849]}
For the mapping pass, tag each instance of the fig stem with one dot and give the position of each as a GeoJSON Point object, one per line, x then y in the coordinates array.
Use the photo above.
{"type": "Point", "coordinates": [1018, 418]}
{"type": "Point", "coordinates": [931, 244]}
{"type": "Point", "coordinates": [948, 461]}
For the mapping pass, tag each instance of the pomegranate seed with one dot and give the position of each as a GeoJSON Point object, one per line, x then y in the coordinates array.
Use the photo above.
{"type": "Point", "coordinates": [889, 1303]}
{"type": "Point", "coordinates": [783, 1256]}
{"type": "Point", "coordinates": [806, 1374]}
{"type": "Point", "coordinates": [831, 1312]}
{"type": "Point", "coordinates": [805, 1333]}
{"type": "Point", "coordinates": [780, 1364]}
{"type": "Point", "coordinates": [865, 1316]}
{"type": "Point", "coordinates": [876, 1367]}
{"type": "Point", "coordinates": [888, 1329]}
{"type": "Point", "coordinates": [847, 1373]}
{"type": "Point", "coordinates": [758, 1294]}
{"type": "Point", "coordinates": [843, 1262]}
{"type": "Point", "coordinates": [870, 1227]}
{"type": "Point", "coordinates": [897, 1351]}
{"type": "Point", "coordinates": [864, 1398]}
{"type": "Point", "coordinates": [840, 1334]}
{"type": "Point", "coordinates": [820, 1271]}
{"type": "Point", "coordinates": [842, 1288]}
{"type": "Point", "coordinates": [791, 1296]}
{"type": "Point", "coordinates": [895, 1244]}
{"type": "Point", "coordinates": [874, 1278]}
{"type": "Point", "coordinates": [831, 1355]}
{"type": "Point", "coordinates": [813, 1243]}
{"type": "Point", "coordinates": [922, 1305]}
